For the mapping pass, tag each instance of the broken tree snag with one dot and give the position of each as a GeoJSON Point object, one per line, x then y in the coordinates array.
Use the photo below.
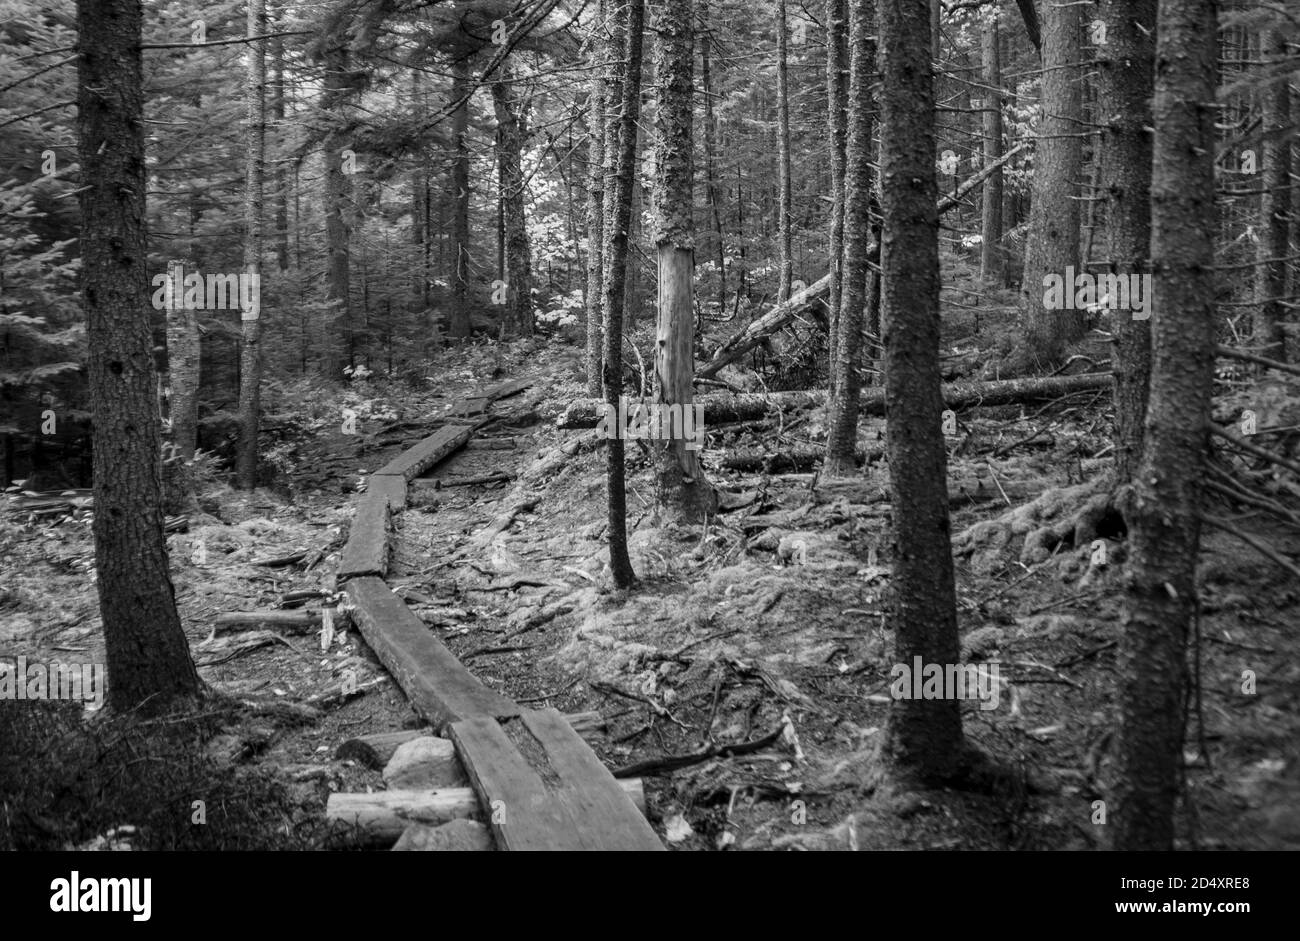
{"type": "Point", "coordinates": [366, 552]}
{"type": "Point", "coordinates": [390, 486]}
{"type": "Point", "coordinates": [956, 395]}
{"type": "Point", "coordinates": [430, 451]}
{"type": "Point", "coordinates": [775, 319]}
{"type": "Point", "coordinates": [383, 816]}
{"type": "Point", "coordinates": [440, 689]}
{"type": "Point", "coordinates": [781, 316]}
{"type": "Point", "coordinates": [560, 797]}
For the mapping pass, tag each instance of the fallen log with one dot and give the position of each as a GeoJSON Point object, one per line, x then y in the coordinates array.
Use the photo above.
{"type": "Point", "coordinates": [781, 315]}
{"type": "Point", "coordinates": [584, 413]}
{"type": "Point", "coordinates": [291, 622]}
{"type": "Point", "coordinates": [382, 817]}
{"type": "Point", "coordinates": [790, 459]}
{"type": "Point", "coordinates": [775, 319]}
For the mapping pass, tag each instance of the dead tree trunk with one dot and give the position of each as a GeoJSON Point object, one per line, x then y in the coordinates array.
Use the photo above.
{"type": "Point", "coordinates": [681, 489]}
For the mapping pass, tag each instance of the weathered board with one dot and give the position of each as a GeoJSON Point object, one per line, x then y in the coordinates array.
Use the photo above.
{"type": "Point", "coordinates": [507, 389]}
{"type": "Point", "coordinates": [416, 460]}
{"type": "Point", "coordinates": [438, 686]}
{"type": "Point", "coordinates": [559, 798]}
{"type": "Point", "coordinates": [392, 486]}
{"type": "Point", "coordinates": [366, 552]}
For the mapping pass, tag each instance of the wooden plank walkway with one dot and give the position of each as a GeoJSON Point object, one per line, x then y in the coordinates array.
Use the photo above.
{"type": "Point", "coordinates": [439, 687]}
{"type": "Point", "coordinates": [366, 552]}
{"type": "Point", "coordinates": [557, 797]}
{"type": "Point", "coordinates": [430, 451]}
{"type": "Point", "coordinates": [536, 780]}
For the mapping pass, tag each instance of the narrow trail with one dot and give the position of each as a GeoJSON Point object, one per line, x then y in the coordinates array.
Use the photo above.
{"type": "Point", "coordinates": [539, 785]}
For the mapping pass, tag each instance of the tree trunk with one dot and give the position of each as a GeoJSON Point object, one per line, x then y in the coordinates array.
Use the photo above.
{"type": "Point", "coordinates": [923, 737]}
{"type": "Point", "coordinates": [184, 356]}
{"type": "Point", "coordinates": [338, 194]}
{"type": "Point", "coordinates": [837, 126]}
{"type": "Point", "coordinates": [992, 263]}
{"type": "Point", "coordinates": [710, 168]}
{"type": "Point", "coordinates": [250, 346]}
{"type": "Point", "coordinates": [281, 175]}
{"type": "Point", "coordinates": [512, 133]}
{"type": "Point", "coordinates": [619, 195]}
{"type": "Point", "coordinates": [596, 119]}
{"type": "Point", "coordinates": [1164, 519]}
{"type": "Point", "coordinates": [1124, 77]}
{"type": "Point", "coordinates": [459, 325]}
{"type": "Point", "coordinates": [419, 205]}
{"type": "Point", "coordinates": [149, 664]}
{"type": "Point", "coordinates": [1053, 242]}
{"type": "Point", "coordinates": [681, 488]}
{"type": "Point", "coordinates": [1270, 275]}
{"type": "Point", "coordinates": [785, 265]}
{"type": "Point", "coordinates": [846, 381]}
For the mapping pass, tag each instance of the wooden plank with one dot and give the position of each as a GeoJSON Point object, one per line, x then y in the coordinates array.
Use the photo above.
{"type": "Point", "coordinates": [522, 811]}
{"type": "Point", "coordinates": [560, 797]}
{"type": "Point", "coordinates": [366, 552]}
{"type": "Point", "coordinates": [392, 486]}
{"type": "Point", "coordinates": [438, 686]}
{"type": "Point", "coordinates": [598, 805]}
{"type": "Point", "coordinates": [381, 816]}
{"type": "Point", "coordinates": [416, 460]}
{"type": "Point", "coordinates": [507, 389]}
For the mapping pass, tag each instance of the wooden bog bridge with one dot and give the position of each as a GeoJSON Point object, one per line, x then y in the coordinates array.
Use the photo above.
{"type": "Point", "coordinates": [536, 781]}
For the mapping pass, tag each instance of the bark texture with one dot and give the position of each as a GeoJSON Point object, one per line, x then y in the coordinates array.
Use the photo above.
{"type": "Point", "coordinates": [681, 488]}
{"type": "Point", "coordinates": [619, 195]}
{"type": "Point", "coordinates": [1164, 534]}
{"type": "Point", "coordinates": [512, 134]}
{"type": "Point", "coordinates": [847, 381]}
{"type": "Point", "coordinates": [923, 737]}
{"type": "Point", "coordinates": [1053, 242]}
{"type": "Point", "coordinates": [149, 666]}
{"type": "Point", "coordinates": [1124, 87]}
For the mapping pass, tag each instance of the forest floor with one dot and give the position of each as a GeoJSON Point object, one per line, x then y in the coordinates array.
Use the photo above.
{"type": "Point", "coordinates": [730, 636]}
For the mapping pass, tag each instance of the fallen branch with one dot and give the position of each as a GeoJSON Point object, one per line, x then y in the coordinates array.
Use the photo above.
{"type": "Point", "coordinates": [1239, 442]}
{"type": "Point", "coordinates": [674, 762]}
{"type": "Point", "coordinates": [1263, 549]}
{"type": "Point", "coordinates": [1258, 360]}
